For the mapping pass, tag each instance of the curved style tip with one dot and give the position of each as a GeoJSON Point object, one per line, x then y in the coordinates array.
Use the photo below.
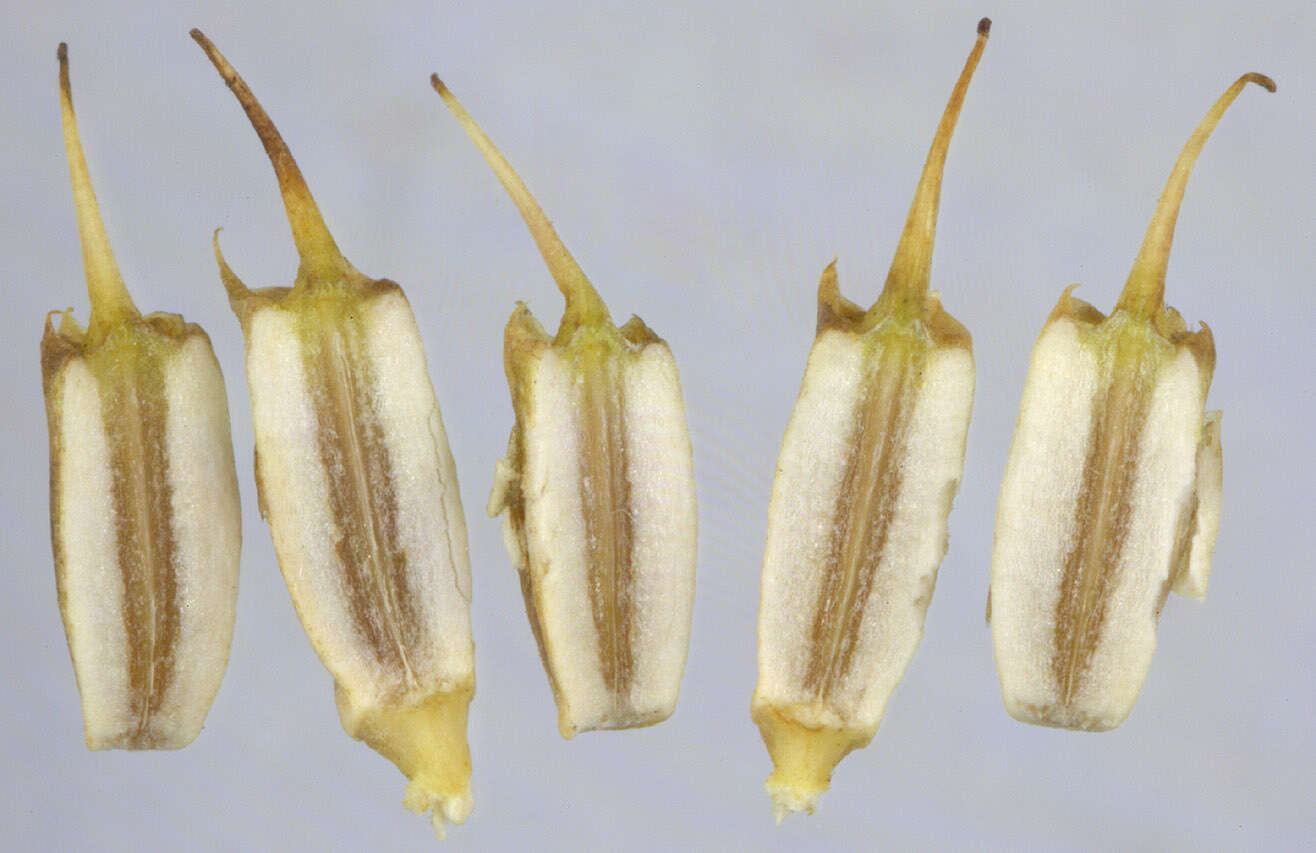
{"type": "Point", "coordinates": [1260, 79]}
{"type": "Point", "coordinates": [1144, 291]}
{"type": "Point", "coordinates": [110, 302]}
{"type": "Point", "coordinates": [584, 306]}
{"type": "Point", "coordinates": [911, 270]}
{"type": "Point", "coordinates": [319, 253]}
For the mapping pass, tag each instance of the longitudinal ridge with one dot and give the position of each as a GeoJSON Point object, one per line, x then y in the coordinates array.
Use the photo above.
{"type": "Point", "coordinates": [872, 476]}
{"type": "Point", "coordinates": [134, 418]}
{"type": "Point", "coordinates": [1101, 521]}
{"type": "Point", "coordinates": [605, 499]}
{"type": "Point", "coordinates": [362, 500]}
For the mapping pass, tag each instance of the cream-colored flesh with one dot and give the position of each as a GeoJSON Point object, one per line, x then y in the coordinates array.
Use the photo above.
{"type": "Point", "coordinates": [207, 524]}
{"type": "Point", "coordinates": [421, 631]}
{"type": "Point", "coordinates": [1077, 587]}
{"type": "Point", "coordinates": [183, 669]}
{"type": "Point", "coordinates": [432, 526]}
{"type": "Point", "coordinates": [91, 586]}
{"type": "Point", "coordinates": [803, 519]}
{"type": "Point", "coordinates": [661, 507]}
{"type": "Point", "coordinates": [1035, 514]}
{"type": "Point", "coordinates": [662, 494]}
{"type": "Point", "coordinates": [805, 490]}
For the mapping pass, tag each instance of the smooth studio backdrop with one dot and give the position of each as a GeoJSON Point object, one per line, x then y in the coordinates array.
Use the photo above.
{"type": "Point", "coordinates": [703, 161]}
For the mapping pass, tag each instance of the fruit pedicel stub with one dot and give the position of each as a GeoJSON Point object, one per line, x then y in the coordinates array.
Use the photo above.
{"type": "Point", "coordinates": [1111, 496]}
{"type": "Point", "coordinates": [144, 512]}
{"type": "Point", "coordinates": [857, 524]}
{"type": "Point", "coordinates": [359, 488]}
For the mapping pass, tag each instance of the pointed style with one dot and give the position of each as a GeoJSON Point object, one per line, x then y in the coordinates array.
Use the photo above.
{"type": "Point", "coordinates": [857, 524]}
{"type": "Point", "coordinates": [359, 488]}
{"type": "Point", "coordinates": [1111, 497]}
{"type": "Point", "coordinates": [144, 513]}
{"type": "Point", "coordinates": [597, 492]}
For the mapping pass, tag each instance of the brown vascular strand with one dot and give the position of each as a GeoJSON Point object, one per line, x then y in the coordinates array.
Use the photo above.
{"type": "Point", "coordinates": [361, 493]}
{"type": "Point", "coordinates": [1101, 525]}
{"type": "Point", "coordinates": [135, 418]}
{"type": "Point", "coordinates": [864, 511]}
{"type": "Point", "coordinates": [606, 500]}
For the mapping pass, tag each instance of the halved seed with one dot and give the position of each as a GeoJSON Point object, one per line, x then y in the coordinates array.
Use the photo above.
{"type": "Point", "coordinates": [857, 524]}
{"type": "Point", "coordinates": [1111, 496]}
{"type": "Point", "coordinates": [598, 491]}
{"type": "Point", "coordinates": [144, 513]}
{"type": "Point", "coordinates": [359, 488]}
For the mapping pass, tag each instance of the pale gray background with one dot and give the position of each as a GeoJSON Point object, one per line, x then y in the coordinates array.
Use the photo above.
{"type": "Point", "coordinates": [704, 161]}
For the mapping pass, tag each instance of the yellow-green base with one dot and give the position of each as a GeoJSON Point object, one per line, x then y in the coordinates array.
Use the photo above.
{"type": "Point", "coordinates": [427, 742]}
{"type": "Point", "coordinates": [803, 757]}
